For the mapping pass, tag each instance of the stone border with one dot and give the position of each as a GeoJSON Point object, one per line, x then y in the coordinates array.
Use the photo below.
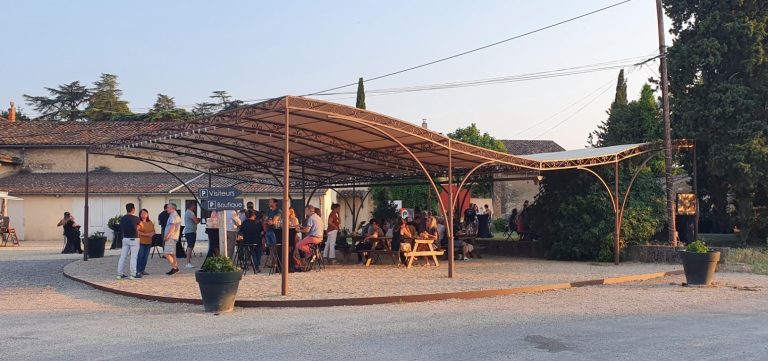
{"type": "Point", "coordinates": [364, 301]}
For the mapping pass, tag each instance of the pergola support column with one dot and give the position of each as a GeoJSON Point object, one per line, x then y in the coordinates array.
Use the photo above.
{"type": "Point", "coordinates": [86, 214]}
{"type": "Point", "coordinates": [286, 204]}
{"type": "Point", "coordinates": [449, 214]}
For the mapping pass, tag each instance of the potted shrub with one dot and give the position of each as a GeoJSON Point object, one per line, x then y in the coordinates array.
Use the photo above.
{"type": "Point", "coordinates": [114, 225]}
{"type": "Point", "coordinates": [699, 263]}
{"type": "Point", "coordinates": [96, 243]}
{"type": "Point", "coordinates": [218, 279]}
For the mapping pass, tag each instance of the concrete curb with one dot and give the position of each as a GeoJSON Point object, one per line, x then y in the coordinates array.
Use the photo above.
{"type": "Point", "coordinates": [364, 301]}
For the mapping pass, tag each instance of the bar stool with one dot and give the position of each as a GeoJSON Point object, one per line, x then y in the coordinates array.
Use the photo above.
{"type": "Point", "coordinates": [244, 257]}
{"type": "Point", "coordinates": [274, 261]}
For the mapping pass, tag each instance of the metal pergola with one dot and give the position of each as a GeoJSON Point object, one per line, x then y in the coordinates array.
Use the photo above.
{"type": "Point", "coordinates": [295, 142]}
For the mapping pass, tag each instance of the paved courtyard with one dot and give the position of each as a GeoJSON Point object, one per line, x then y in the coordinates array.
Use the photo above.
{"type": "Point", "coordinates": [349, 280]}
{"type": "Point", "coordinates": [48, 317]}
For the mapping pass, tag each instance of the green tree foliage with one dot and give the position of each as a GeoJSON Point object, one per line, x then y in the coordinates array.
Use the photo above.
{"type": "Point", "coordinates": [718, 70]}
{"type": "Point", "coordinates": [165, 110]}
{"type": "Point", "coordinates": [383, 207]}
{"type": "Point", "coordinates": [360, 103]}
{"type": "Point", "coordinates": [572, 214]}
{"type": "Point", "coordinates": [472, 135]}
{"type": "Point", "coordinates": [222, 101]}
{"type": "Point", "coordinates": [65, 103]}
{"type": "Point", "coordinates": [104, 103]}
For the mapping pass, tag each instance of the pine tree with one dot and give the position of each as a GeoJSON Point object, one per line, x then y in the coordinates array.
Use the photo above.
{"type": "Point", "coordinates": [164, 102]}
{"type": "Point", "coordinates": [165, 109]}
{"type": "Point", "coordinates": [65, 103]}
{"type": "Point", "coordinates": [105, 103]}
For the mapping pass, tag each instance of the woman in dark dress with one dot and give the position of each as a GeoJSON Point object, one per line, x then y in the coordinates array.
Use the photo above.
{"type": "Point", "coordinates": [72, 233]}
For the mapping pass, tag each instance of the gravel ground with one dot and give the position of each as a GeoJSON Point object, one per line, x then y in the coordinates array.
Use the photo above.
{"type": "Point", "coordinates": [47, 317]}
{"type": "Point", "coordinates": [346, 281]}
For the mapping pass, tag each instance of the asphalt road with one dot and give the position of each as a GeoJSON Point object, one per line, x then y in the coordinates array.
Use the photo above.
{"type": "Point", "coordinates": [48, 317]}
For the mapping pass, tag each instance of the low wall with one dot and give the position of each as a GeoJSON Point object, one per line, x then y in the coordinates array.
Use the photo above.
{"type": "Point", "coordinates": [665, 254]}
{"type": "Point", "coordinates": [531, 249]}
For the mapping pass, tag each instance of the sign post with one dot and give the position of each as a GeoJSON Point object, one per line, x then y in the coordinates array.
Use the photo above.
{"type": "Point", "coordinates": [222, 199]}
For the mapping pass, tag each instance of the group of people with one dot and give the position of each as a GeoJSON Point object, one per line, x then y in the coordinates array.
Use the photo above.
{"type": "Point", "coordinates": [423, 225]}
{"type": "Point", "coordinates": [520, 222]}
{"type": "Point", "coordinates": [261, 230]}
{"type": "Point", "coordinates": [138, 237]}
{"type": "Point", "coordinates": [71, 234]}
{"type": "Point", "coordinates": [470, 215]}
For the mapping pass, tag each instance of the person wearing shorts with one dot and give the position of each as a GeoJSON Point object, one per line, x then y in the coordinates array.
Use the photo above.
{"type": "Point", "coordinates": [190, 231]}
{"type": "Point", "coordinates": [170, 237]}
{"type": "Point", "coordinates": [314, 231]}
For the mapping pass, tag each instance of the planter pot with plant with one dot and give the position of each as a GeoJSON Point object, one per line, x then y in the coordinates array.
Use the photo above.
{"type": "Point", "coordinates": [96, 243]}
{"type": "Point", "coordinates": [117, 239]}
{"type": "Point", "coordinates": [218, 279]}
{"type": "Point", "coordinates": [699, 263]}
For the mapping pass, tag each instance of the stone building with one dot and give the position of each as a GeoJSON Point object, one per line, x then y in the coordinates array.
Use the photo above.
{"type": "Point", "coordinates": [511, 190]}
{"type": "Point", "coordinates": [44, 163]}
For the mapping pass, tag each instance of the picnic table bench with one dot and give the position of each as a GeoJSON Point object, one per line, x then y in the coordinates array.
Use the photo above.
{"type": "Point", "coordinates": [414, 252]}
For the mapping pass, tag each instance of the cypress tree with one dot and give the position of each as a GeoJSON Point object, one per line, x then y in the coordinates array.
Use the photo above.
{"type": "Point", "coordinates": [360, 94]}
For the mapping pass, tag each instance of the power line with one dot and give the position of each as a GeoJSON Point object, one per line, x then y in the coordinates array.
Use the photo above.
{"type": "Point", "coordinates": [475, 49]}
{"type": "Point", "coordinates": [583, 106]}
{"type": "Point", "coordinates": [583, 69]}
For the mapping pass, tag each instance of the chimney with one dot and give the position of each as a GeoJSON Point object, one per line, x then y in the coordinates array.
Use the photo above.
{"type": "Point", "coordinates": [424, 123]}
{"type": "Point", "coordinates": [12, 112]}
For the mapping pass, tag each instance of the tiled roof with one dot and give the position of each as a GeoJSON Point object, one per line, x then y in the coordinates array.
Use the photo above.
{"type": "Point", "coordinates": [36, 133]}
{"type": "Point", "coordinates": [525, 147]}
{"type": "Point", "coordinates": [120, 183]}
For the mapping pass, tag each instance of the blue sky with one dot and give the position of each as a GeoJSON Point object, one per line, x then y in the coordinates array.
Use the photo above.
{"type": "Point", "coordinates": [256, 50]}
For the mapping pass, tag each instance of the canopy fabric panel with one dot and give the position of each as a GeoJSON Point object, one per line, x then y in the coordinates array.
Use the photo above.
{"type": "Point", "coordinates": [330, 144]}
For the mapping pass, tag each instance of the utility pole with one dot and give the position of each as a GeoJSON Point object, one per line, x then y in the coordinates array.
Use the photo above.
{"type": "Point", "coordinates": [667, 127]}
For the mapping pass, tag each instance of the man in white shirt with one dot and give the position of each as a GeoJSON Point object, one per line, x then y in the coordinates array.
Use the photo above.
{"type": "Point", "coordinates": [171, 236]}
{"type": "Point", "coordinates": [313, 230]}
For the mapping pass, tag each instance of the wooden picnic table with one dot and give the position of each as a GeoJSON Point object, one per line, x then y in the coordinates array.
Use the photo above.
{"type": "Point", "coordinates": [416, 253]}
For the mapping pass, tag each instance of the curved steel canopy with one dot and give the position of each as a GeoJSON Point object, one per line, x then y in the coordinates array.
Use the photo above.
{"type": "Point", "coordinates": [333, 141]}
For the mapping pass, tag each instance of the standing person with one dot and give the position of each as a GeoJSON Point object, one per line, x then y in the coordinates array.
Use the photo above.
{"type": "Point", "coordinates": [71, 233]}
{"type": "Point", "coordinates": [171, 236]}
{"type": "Point", "coordinates": [146, 232]}
{"type": "Point", "coordinates": [162, 219]}
{"type": "Point", "coordinates": [334, 221]}
{"type": "Point", "coordinates": [272, 222]}
{"type": "Point", "coordinates": [512, 221]}
{"type": "Point", "coordinates": [190, 231]}
{"type": "Point", "coordinates": [441, 231]}
{"type": "Point", "coordinates": [129, 227]}
{"type": "Point", "coordinates": [244, 213]}
{"type": "Point", "coordinates": [233, 223]}
{"type": "Point", "coordinates": [489, 212]}
{"type": "Point", "coordinates": [252, 230]}
{"type": "Point", "coordinates": [314, 235]}
{"type": "Point", "coordinates": [212, 230]}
